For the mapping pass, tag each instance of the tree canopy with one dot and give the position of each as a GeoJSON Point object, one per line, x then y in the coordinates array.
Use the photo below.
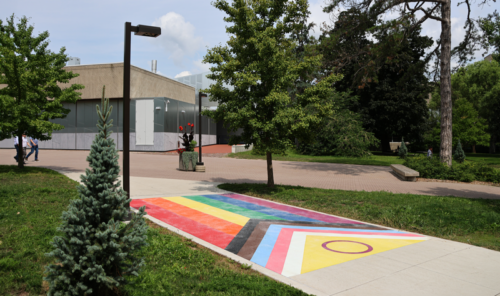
{"type": "Point", "coordinates": [397, 19]}
{"type": "Point", "coordinates": [392, 103]}
{"type": "Point", "coordinates": [490, 26]}
{"type": "Point", "coordinates": [468, 126]}
{"type": "Point", "coordinates": [31, 73]}
{"type": "Point", "coordinates": [260, 64]}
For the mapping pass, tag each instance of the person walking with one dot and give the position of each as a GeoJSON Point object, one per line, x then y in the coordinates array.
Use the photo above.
{"type": "Point", "coordinates": [429, 152]}
{"type": "Point", "coordinates": [34, 148]}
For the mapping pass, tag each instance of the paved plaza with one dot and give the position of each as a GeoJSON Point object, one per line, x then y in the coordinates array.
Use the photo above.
{"type": "Point", "coordinates": [307, 174]}
{"type": "Point", "coordinates": [318, 253]}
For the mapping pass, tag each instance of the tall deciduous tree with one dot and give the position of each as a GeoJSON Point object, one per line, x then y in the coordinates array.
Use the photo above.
{"type": "Point", "coordinates": [479, 84]}
{"type": "Point", "coordinates": [393, 103]}
{"type": "Point", "coordinates": [468, 126]}
{"type": "Point", "coordinates": [259, 62]}
{"type": "Point", "coordinates": [407, 15]}
{"type": "Point", "coordinates": [30, 73]}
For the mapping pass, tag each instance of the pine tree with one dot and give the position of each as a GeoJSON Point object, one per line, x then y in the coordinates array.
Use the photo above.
{"type": "Point", "coordinates": [459, 155]}
{"type": "Point", "coordinates": [96, 252]}
{"type": "Point", "coordinates": [403, 151]}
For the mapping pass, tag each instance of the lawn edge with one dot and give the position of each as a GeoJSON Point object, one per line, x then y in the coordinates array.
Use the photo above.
{"type": "Point", "coordinates": [278, 277]}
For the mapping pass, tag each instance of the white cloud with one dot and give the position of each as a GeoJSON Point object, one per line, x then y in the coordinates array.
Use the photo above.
{"type": "Point", "coordinates": [318, 17]}
{"type": "Point", "coordinates": [177, 36]}
{"type": "Point", "coordinates": [200, 67]}
{"type": "Point", "coordinates": [183, 73]}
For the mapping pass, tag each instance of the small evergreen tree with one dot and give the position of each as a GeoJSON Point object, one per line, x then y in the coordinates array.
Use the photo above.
{"type": "Point", "coordinates": [459, 155]}
{"type": "Point", "coordinates": [403, 151]}
{"type": "Point", "coordinates": [96, 252]}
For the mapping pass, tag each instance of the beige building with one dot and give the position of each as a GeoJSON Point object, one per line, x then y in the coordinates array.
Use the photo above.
{"type": "Point", "coordinates": [159, 105]}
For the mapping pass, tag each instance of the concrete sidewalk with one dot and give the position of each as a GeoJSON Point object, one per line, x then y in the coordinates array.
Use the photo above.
{"type": "Point", "coordinates": [431, 267]}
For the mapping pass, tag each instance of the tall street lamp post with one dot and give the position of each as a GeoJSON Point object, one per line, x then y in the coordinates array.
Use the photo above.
{"type": "Point", "coordinates": [200, 166]}
{"type": "Point", "coordinates": [140, 30]}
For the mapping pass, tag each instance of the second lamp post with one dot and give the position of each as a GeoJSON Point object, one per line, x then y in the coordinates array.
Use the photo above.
{"type": "Point", "coordinates": [200, 167]}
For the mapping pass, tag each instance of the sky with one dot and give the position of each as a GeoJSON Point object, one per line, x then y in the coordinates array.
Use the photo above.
{"type": "Point", "coordinates": [93, 30]}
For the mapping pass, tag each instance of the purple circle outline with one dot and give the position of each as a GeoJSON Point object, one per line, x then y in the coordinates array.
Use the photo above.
{"type": "Point", "coordinates": [370, 248]}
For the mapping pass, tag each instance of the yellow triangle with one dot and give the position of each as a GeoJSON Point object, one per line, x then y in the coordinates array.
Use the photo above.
{"type": "Point", "coordinates": [316, 256]}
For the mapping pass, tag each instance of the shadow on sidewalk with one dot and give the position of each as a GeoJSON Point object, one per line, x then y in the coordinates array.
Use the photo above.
{"type": "Point", "coordinates": [338, 168]}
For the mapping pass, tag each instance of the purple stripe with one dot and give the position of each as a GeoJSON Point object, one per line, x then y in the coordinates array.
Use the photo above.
{"type": "Point", "coordinates": [296, 211]}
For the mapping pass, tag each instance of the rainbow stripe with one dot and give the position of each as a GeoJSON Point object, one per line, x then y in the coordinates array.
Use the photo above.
{"type": "Point", "coordinates": [282, 238]}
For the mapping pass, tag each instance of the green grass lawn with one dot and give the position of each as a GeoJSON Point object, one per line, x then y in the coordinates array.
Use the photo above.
{"type": "Point", "coordinates": [492, 160]}
{"type": "Point", "coordinates": [473, 221]}
{"type": "Point", "coordinates": [376, 159]}
{"type": "Point", "coordinates": [31, 204]}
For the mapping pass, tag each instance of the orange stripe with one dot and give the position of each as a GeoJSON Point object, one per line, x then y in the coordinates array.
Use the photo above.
{"type": "Point", "coordinates": [209, 220]}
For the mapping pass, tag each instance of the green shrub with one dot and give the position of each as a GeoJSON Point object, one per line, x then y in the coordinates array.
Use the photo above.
{"type": "Point", "coordinates": [192, 145]}
{"type": "Point", "coordinates": [341, 135]}
{"type": "Point", "coordinates": [432, 168]}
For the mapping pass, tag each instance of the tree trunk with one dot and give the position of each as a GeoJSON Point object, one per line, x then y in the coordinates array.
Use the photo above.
{"type": "Point", "coordinates": [474, 149]}
{"type": "Point", "coordinates": [446, 112]}
{"type": "Point", "coordinates": [493, 140]}
{"type": "Point", "coordinates": [20, 154]}
{"type": "Point", "coordinates": [270, 175]}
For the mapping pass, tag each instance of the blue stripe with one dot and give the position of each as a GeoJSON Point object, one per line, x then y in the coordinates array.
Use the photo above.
{"type": "Point", "coordinates": [261, 255]}
{"type": "Point", "coordinates": [261, 209]}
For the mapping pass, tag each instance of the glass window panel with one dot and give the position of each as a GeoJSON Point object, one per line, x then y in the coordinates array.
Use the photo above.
{"type": "Point", "coordinates": [170, 118]}
{"type": "Point", "coordinates": [159, 114]}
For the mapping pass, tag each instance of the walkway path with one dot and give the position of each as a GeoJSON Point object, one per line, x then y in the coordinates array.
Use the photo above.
{"type": "Point", "coordinates": [317, 253]}
{"type": "Point", "coordinates": [291, 251]}
{"type": "Point", "coordinates": [307, 174]}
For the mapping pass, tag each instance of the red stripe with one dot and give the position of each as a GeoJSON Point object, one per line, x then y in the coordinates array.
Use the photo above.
{"type": "Point", "coordinates": [205, 219]}
{"type": "Point", "coordinates": [217, 238]}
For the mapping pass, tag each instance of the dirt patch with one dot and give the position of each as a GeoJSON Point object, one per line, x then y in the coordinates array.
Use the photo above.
{"type": "Point", "coordinates": [452, 181]}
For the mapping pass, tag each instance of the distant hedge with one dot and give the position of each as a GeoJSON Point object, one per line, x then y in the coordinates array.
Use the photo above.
{"type": "Point", "coordinates": [432, 168]}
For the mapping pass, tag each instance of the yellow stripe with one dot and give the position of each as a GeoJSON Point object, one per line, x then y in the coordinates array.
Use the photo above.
{"type": "Point", "coordinates": [209, 210]}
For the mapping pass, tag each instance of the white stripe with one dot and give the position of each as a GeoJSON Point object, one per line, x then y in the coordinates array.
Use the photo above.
{"type": "Point", "coordinates": [295, 255]}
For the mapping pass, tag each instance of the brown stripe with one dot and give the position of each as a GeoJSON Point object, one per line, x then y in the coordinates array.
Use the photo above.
{"type": "Point", "coordinates": [260, 230]}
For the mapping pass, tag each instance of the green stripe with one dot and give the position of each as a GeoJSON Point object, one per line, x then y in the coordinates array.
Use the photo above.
{"type": "Point", "coordinates": [232, 208]}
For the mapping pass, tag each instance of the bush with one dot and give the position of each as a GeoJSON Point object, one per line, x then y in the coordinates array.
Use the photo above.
{"type": "Point", "coordinates": [341, 135]}
{"type": "Point", "coordinates": [432, 168]}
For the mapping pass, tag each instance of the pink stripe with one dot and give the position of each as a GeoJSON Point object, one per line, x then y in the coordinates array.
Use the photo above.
{"type": "Point", "coordinates": [277, 258]}
{"type": "Point", "coordinates": [208, 234]}
{"type": "Point", "coordinates": [296, 211]}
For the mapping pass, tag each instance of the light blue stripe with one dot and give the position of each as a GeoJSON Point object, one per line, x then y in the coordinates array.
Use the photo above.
{"type": "Point", "coordinates": [261, 255]}
{"type": "Point", "coordinates": [261, 209]}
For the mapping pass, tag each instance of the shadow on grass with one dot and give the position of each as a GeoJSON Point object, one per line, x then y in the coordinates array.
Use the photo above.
{"type": "Point", "coordinates": [466, 193]}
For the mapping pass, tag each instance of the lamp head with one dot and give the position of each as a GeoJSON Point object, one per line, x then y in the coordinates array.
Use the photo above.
{"type": "Point", "coordinates": [148, 31]}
